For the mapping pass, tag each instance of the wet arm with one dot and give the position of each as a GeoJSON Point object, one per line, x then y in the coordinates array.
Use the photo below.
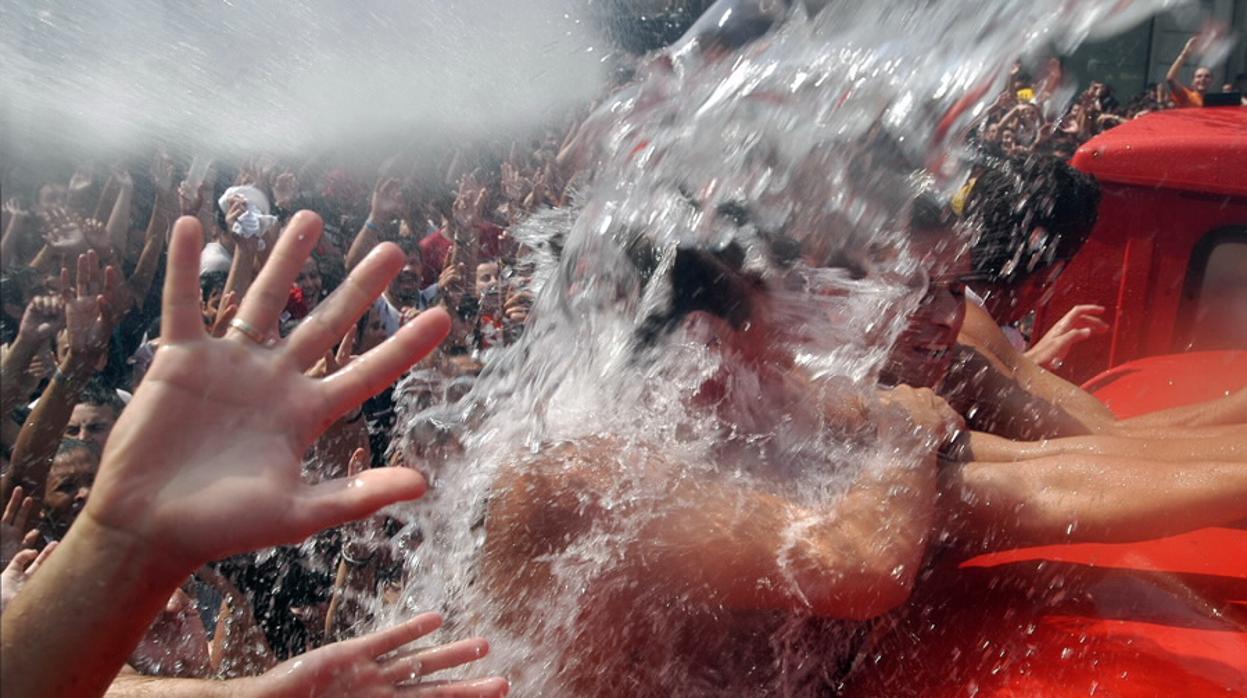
{"type": "Point", "coordinates": [1229, 446]}
{"type": "Point", "coordinates": [1073, 498]}
{"type": "Point", "coordinates": [1014, 397]}
{"type": "Point", "coordinates": [740, 547]}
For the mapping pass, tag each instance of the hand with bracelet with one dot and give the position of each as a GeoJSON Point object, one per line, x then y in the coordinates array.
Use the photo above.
{"type": "Point", "coordinates": [172, 494]}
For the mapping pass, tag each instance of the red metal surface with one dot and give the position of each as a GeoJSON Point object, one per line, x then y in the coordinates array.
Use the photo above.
{"type": "Point", "coordinates": [1168, 180]}
{"type": "Point", "coordinates": [1165, 617]}
{"type": "Point", "coordinates": [1199, 150]}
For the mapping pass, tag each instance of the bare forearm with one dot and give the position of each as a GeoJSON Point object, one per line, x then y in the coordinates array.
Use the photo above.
{"type": "Point", "coordinates": [118, 226]}
{"type": "Point", "coordinates": [1079, 498]}
{"type": "Point", "coordinates": [41, 434]}
{"type": "Point", "coordinates": [364, 241]}
{"type": "Point", "coordinates": [1227, 446]}
{"type": "Point", "coordinates": [1229, 410]}
{"type": "Point", "coordinates": [9, 243]}
{"type": "Point", "coordinates": [153, 247]}
{"type": "Point", "coordinates": [16, 360]}
{"type": "Point", "coordinates": [1175, 70]}
{"type": "Point", "coordinates": [138, 686]}
{"type": "Point", "coordinates": [87, 609]}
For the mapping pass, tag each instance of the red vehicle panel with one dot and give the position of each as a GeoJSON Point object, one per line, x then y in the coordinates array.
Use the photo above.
{"type": "Point", "coordinates": [1174, 188]}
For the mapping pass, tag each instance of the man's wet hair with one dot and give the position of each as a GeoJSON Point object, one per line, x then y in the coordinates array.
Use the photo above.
{"type": "Point", "coordinates": [1028, 214]}
{"type": "Point", "coordinates": [706, 280]}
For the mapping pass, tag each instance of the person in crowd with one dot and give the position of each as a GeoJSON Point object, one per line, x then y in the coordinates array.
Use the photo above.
{"type": "Point", "coordinates": [1094, 478]}
{"type": "Point", "coordinates": [1182, 95]}
{"type": "Point", "coordinates": [92, 419]}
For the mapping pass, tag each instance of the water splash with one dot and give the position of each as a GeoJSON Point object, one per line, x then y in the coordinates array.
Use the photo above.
{"type": "Point", "coordinates": [792, 160]}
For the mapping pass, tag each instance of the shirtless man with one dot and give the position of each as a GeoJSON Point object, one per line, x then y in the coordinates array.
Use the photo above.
{"type": "Point", "coordinates": [717, 583]}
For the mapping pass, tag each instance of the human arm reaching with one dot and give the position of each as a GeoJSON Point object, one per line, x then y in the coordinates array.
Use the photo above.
{"type": "Point", "coordinates": [174, 491]}
{"type": "Point", "coordinates": [372, 665]}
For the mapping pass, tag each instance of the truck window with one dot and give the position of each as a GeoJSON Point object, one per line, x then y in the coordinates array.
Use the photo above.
{"type": "Point", "coordinates": [1214, 304]}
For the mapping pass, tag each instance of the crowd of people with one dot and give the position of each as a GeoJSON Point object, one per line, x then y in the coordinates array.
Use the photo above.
{"type": "Point", "coordinates": [1025, 118]}
{"type": "Point", "coordinates": [203, 359]}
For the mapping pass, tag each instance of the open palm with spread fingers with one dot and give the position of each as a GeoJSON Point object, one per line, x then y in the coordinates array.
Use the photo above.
{"type": "Point", "coordinates": [375, 665]}
{"type": "Point", "coordinates": [205, 461]}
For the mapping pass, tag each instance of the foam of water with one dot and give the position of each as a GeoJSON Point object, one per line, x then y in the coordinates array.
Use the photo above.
{"type": "Point", "coordinates": [789, 128]}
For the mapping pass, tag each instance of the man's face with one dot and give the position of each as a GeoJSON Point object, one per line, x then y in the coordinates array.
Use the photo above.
{"type": "Point", "coordinates": [405, 288]}
{"type": "Point", "coordinates": [486, 278]}
{"type": "Point", "coordinates": [69, 484]}
{"type": "Point", "coordinates": [923, 353]}
{"type": "Point", "coordinates": [91, 423]}
{"type": "Point", "coordinates": [1203, 80]}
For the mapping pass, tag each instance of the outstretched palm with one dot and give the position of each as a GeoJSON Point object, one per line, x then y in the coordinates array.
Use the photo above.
{"type": "Point", "coordinates": [223, 423]}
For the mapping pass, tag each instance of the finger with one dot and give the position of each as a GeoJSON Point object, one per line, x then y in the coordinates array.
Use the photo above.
{"type": "Point", "coordinates": [180, 317]}
{"type": "Point", "coordinates": [385, 363]}
{"type": "Point", "coordinates": [390, 639]}
{"type": "Point", "coordinates": [223, 318]}
{"type": "Point", "coordinates": [268, 295]}
{"type": "Point", "coordinates": [83, 275]}
{"type": "Point", "coordinates": [23, 513]}
{"type": "Point", "coordinates": [359, 459]}
{"type": "Point", "coordinates": [14, 503]}
{"type": "Point", "coordinates": [31, 539]}
{"type": "Point", "coordinates": [1086, 308]}
{"type": "Point", "coordinates": [22, 560]}
{"type": "Point", "coordinates": [413, 665]}
{"type": "Point", "coordinates": [345, 347]}
{"type": "Point", "coordinates": [340, 500]}
{"type": "Point", "coordinates": [478, 688]}
{"type": "Point", "coordinates": [42, 557]}
{"type": "Point", "coordinates": [341, 310]}
{"type": "Point", "coordinates": [66, 290]}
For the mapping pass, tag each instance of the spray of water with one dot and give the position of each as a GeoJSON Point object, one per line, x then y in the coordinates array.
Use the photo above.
{"type": "Point", "coordinates": [792, 160]}
{"type": "Point", "coordinates": [229, 78]}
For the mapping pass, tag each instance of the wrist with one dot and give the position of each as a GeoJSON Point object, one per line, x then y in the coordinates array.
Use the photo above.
{"type": "Point", "coordinates": [78, 364]}
{"type": "Point", "coordinates": [372, 224]}
{"type": "Point", "coordinates": [156, 565]}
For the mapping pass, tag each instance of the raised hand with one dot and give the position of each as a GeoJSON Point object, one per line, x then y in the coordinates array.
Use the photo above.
{"type": "Point", "coordinates": [96, 235]}
{"type": "Point", "coordinates": [88, 314]}
{"type": "Point", "coordinates": [15, 208]}
{"type": "Point", "coordinates": [19, 571]}
{"type": "Point", "coordinates": [61, 231]}
{"type": "Point", "coordinates": [285, 189]}
{"type": "Point", "coordinates": [334, 360]}
{"type": "Point", "coordinates": [225, 312]}
{"type": "Point", "coordinates": [205, 461]}
{"type": "Point", "coordinates": [376, 665]}
{"type": "Point", "coordinates": [1079, 324]}
{"type": "Point", "coordinates": [469, 206]}
{"type": "Point", "coordinates": [13, 533]}
{"type": "Point", "coordinates": [43, 318]}
{"type": "Point", "coordinates": [162, 172]}
{"type": "Point", "coordinates": [387, 200]}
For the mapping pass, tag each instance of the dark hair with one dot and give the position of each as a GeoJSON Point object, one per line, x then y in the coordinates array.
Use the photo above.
{"type": "Point", "coordinates": [1014, 198]}
{"type": "Point", "coordinates": [711, 281]}
{"type": "Point", "coordinates": [211, 281]}
{"type": "Point", "coordinates": [69, 447]}
{"type": "Point", "coordinates": [97, 394]}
